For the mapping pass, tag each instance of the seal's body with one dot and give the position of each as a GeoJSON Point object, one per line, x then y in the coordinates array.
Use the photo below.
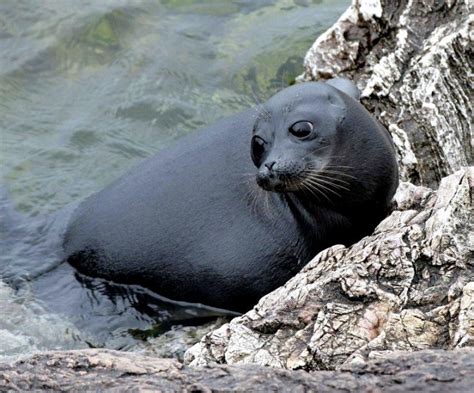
{"type": "Point", "coordinates": [194, 224]}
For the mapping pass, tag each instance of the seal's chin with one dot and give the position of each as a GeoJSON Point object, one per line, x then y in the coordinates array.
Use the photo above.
{"type": "Point", "coordinates": [279, 184]}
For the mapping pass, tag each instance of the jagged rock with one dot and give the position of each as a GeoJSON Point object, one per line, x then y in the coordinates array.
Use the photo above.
{"type": "Point", "coordinates": [409, 286]}
{"type": "Point", "coordinates": [96, 370]}
{"type": "Point", "coordinates": [413, 62]}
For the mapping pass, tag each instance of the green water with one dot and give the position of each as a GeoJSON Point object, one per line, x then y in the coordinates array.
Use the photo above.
{"type": "Point", "coordinates": [90, 88]}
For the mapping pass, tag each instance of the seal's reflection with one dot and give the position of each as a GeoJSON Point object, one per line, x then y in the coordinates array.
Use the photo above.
{"type": "Point", "coordinates": [113, 315]}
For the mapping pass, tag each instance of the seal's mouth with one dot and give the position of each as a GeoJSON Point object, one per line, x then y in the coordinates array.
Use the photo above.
{"type": "Point", "coordinates": [280, 182]}
{"type": "Point", "coordinates": [282, 175]}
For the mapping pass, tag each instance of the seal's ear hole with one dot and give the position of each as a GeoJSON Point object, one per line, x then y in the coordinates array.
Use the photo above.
{"type": "Point", "coordinates": [336, 101]}
{"type": "Point", "coordinates": [333, 100]}
{"type": "Point", "coordinates": [338, 104]}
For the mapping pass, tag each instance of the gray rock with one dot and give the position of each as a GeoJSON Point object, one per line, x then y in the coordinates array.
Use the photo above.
{"type": "Point", "coordinates": [88, 370]}
{"type": "Point", "coordinates": [410, 285]}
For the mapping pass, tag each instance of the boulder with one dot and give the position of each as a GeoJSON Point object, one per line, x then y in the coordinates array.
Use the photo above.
{"type": "Point", "coordinates": [408, 286]}
{"type": "Point", "coordinates": [413, 62]}
{"type": "Point", "coordinates": [99, 370]}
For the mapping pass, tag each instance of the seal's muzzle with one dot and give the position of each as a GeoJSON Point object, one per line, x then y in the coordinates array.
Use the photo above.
{"type": "Point", "coordinates": [280, 176]}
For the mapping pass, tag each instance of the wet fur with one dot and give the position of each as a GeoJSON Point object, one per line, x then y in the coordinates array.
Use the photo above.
{"type": "Point", "coordinates": [191, 224]}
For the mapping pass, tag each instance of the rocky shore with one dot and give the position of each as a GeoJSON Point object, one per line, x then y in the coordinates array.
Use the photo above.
{"type": "Point", "coordinates": [97, 370]}
{"type": "Point", "coordinates": [394, 311]}
{"type": "Point", "coordinates": [410, 285]}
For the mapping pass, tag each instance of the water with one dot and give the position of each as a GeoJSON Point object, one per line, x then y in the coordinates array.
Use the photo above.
{"type": "Point", "coordinates": [87, 90]}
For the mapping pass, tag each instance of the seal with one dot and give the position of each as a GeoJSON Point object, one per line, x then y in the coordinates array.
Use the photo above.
{"type": "Point", "coordinates": [208, 221]}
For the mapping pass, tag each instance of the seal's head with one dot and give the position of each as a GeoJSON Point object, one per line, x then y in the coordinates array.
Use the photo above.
{"type": "Point", "coordinates": [294, 136]}
{"type": "Point", "coordinates": [313, 138]}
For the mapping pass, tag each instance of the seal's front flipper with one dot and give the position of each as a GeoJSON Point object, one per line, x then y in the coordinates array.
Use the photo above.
{"type": "Point", "coordinates": [346, 86]}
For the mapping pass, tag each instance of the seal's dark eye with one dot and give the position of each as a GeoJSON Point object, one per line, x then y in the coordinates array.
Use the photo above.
{"type": "Point", "coordinates": [257, 149]}
{"type": "Point", "coordinates": [301, 129]}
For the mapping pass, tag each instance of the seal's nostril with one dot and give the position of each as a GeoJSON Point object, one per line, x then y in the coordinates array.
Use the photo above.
{"type": "Point", "coordinates": [269, 165]}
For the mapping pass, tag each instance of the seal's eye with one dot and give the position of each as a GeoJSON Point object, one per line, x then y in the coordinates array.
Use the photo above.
{"type": "Point", "coordinates": [258, 148]}
{"type": "Point", "coordinates": [301, 129]}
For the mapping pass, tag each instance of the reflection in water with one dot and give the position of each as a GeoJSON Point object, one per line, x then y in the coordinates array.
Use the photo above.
{"type": "Point", "coordinates": [88, 89]}
{"type": "Point", "coordinates": [115, 315]}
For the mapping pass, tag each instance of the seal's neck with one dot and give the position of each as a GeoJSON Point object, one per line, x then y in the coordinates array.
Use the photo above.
{"type": "Point", "coordinates": [332, 224]}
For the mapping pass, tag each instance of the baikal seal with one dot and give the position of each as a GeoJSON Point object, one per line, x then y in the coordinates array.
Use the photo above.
{"type": "Point", "coordinates": [234, 210]}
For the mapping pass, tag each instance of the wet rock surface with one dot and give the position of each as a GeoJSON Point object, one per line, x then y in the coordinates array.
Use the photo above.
{"type": "Point", "coordinates": [431, 371]}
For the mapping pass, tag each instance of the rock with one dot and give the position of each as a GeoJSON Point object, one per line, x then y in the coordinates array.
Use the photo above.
{"type": "Point", "coordinates": [176, 341]}
{"type": "Point", "coordinates": [413, 62]}
{"type": "Point", "coordinates": [88, 370]}
{"type": "Point", "coordinates": [409, 286]}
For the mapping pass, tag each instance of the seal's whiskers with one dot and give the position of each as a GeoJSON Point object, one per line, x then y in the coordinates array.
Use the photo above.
{"type": "Point", "coordinates": [332, 178]}
{"type": "Point", "coordinates": [328, 182]}
{"type": "Point", "coordinates": [260, 108]}
{"type": "Point", "coordinates": [335, 172]}
{"type": "Point", "coordinates": [256, 196]}
{"type": "Point", "coordinates": [318, 182]}
{"type": "Point", "coordinates": [314, 189]}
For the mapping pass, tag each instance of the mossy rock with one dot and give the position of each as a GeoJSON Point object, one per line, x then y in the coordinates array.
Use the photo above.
{"type": "Point", "coordinates": [104, 31]}
{"type": "Point", "coordinates": [268, 75]}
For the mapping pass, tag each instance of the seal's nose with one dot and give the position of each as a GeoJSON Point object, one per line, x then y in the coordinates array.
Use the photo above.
{"type": "Point", "coordinates": [269, 165]}
{"type": "Point", "coordinates": [263, 177]}
{"type": "Point", "coordinates": [266, 177]}
{"type": "Point", "coordinates": [280, 175]}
